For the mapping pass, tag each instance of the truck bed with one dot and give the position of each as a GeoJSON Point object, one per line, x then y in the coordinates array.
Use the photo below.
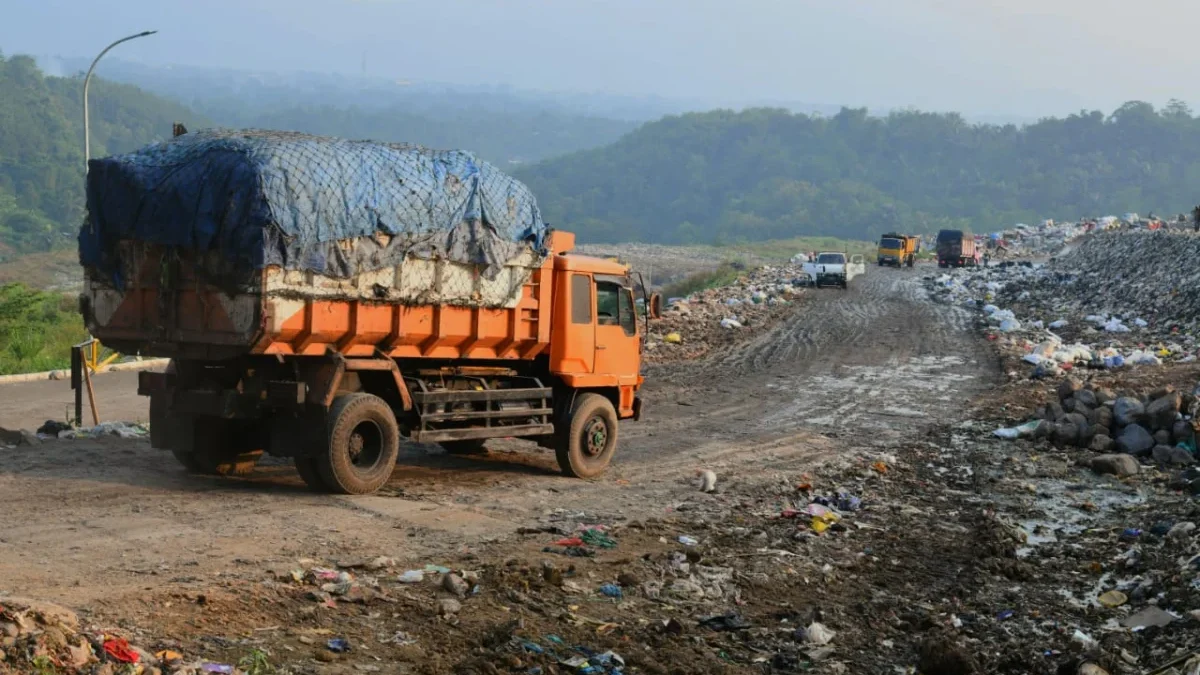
{"type": "Point", "coordinates": [167, 306]}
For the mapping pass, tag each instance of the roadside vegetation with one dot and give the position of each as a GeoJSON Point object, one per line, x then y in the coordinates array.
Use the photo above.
{"type": "Point", "coordinates": [37, 329]}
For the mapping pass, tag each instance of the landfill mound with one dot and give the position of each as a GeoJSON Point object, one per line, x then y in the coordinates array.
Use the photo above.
{"type": "Point", "coordinates": [1121, 298]}
{"type": "Point", "coordinates": [301, 202]}
{"type": "Point", "coordinates": [1153, 274]}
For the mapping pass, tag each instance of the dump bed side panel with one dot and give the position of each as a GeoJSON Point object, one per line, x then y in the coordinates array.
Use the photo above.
{"type": "Point", "coordinates": [175, 305]}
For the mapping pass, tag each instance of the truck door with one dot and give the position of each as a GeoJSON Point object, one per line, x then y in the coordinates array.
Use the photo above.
{"type": "Point", "coordinates": [617, 348]}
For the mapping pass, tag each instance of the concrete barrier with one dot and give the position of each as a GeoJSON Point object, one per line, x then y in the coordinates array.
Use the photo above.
{"type": "Point", "coordinates": [147, 364]}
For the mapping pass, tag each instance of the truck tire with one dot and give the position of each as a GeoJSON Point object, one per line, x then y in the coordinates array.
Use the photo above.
{"type": "Point", "coordinates": [473, 446]}
{"type": "Point", "coordinates": [589, 437]}
{"type": "Point", "coordinates": [363, 443]}
{"type": "Point", "coordinates": [310, 474]}
{"type": "Point", "coordinates": [911, 260]}
{"type": "Point", "coordinates": [211, 450]}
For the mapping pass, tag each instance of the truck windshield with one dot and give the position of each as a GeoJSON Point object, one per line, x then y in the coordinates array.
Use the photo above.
{"type": "Point", "coordinates": [889, 243]}
{"type": "Point", "coordinates": [831, 259]}
{"type": "Point", "coordinates": [607, 295]}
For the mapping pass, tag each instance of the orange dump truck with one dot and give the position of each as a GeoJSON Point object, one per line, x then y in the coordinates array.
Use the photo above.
{"type": "Point", "coordinates": [290, 357]}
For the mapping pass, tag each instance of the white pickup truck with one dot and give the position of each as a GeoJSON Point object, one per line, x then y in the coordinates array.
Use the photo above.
{"type": "Point", "coordinates": [834, 269]}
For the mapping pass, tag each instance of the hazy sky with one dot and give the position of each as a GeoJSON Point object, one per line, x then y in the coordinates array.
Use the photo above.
{"type": "Point", "coordinates": [1023, 57]}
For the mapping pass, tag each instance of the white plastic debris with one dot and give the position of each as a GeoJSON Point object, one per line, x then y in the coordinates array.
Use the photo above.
{"type": "Point", "coordinates": [1060, 323]}
{"type": "Point", "coordinates": [1114, 325]}
{"type": "Point", "coordinates": [730, 323]}
{"type": "Point", "coordinates": [708, 480]}
{"type": "Point", "coordinates": [1010, 325]}
{"type": "Point", "coordinates": [818, 634]}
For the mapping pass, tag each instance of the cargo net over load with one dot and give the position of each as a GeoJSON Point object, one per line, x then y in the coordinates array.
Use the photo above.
{"type": "Point", "coordinates": [290, 214]}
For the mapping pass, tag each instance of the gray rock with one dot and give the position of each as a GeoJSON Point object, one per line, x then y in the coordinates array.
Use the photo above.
{"type": "Point", "coordinates": [1090, 432]}
{"type": "Point", "coordinates": [1161, 412]}
{"type": "Point", "coordinates": [18, 437]}
{"type": "Point", "coordinates": [1043, 429]}
{"type": "Point", "coordinates": [1082, 409]}
{"type": "Point", "coordinates": [1069, 404]}
{"type": "Point", "coordinates": [1066, 433]}
{"type": "Point", "coordinates": [1172, 456]}
{"type": "Point", "coordinates": [1067, 388]}
{"type": "Point", "coordinates": [1103, 416]}
{"type": "Point", "coordinates": [1116, 465]}
{"type": "Point", "coordinates": [1165, 390]}
{"type": "Point", "coordinates": [1104, 395]}
{"type": "Point", "coordinates": [1162, 437]}
{"type": "Point", "coordinates": [448, 607]}
{"type": "Point", "coordinates": [1183, 432]}
{"type": "Point", "coordinates": [455, 584]}
{"type": "Point", "coordinates": [1128, 411]}
{"type": "Point", "coordinates": [1086, 397]}
{"type": "Point", "coordinates": [1054, 411]}
{"type": "Point", "coordinates": [1102, 443]}
{"type": "Point", "coordinates": [1134, 440]}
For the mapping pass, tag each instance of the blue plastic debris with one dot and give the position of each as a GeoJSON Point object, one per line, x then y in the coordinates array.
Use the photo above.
{"type": "Point", "coordinates": [1005, 615]}
{"type": "Point", "coordinates": [611, 591]}
{"type": "Point", "coordinates": [338, 645]}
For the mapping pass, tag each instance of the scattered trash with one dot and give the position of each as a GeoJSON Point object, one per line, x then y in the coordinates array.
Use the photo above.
{"type": "Point", "coordinates": [818, 634]}
{"type": "Point", "coordinates": [412, 577]}
{"type": "Point", "coordinates": [708, 480]}
{"type": "Point", "coordinates": [688, 541]}
{"type": "Point", "coordinates": [338, 645]}
{"type": "Point", "coordinates": [1113, 599]}
{"type": "Point", "coordinates": [119, 650]}
{"type": "Point", "coordinates": [611, 591]}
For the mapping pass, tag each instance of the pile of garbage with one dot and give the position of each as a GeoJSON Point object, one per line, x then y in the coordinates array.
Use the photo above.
{"type": "Point", "coordinates": [693, 326]}
{"type": "Point", "coordinates": [1120, 298]}
{"type": "Point", "coordinates": [41, 637]}
{"type": "Point", "coordinates": [52, 429]}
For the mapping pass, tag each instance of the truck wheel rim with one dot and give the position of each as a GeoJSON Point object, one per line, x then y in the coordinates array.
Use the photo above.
{"type": "Point", "coordinates": [366, 445]}
{"type": "Point", "coordinates": [595, 437]}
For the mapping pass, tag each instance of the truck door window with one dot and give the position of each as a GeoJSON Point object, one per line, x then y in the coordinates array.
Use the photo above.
{"type": "Point", "coordinates": [625, 312]}
{"type": "Point", "coordinates": [607, 303]}
{"type": "Point", "coordinates": [581, 298]}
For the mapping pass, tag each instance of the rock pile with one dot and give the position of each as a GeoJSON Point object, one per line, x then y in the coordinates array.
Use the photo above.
{"type": "Point", "coordinates": [1159, 426]}
{"type": "Point", "coordinates": [691, 327]}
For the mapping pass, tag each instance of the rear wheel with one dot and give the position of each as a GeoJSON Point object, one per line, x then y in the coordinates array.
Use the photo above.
{"type": "Point", "coordinates": [363, 443]}
{"type": "Point", "coordinates": [473, 446]}
{"type": "Point", "coordinates": [589, 439]}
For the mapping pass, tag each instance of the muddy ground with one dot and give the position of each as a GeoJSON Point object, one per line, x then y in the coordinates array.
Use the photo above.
{"type": "Point", "coordinates": [870, 393]}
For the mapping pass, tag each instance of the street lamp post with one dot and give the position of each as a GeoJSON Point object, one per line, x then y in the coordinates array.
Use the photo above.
{"type": "Point", "coordinates": [87, 132]}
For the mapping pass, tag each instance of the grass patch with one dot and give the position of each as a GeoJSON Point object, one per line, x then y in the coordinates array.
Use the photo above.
{"type": "Point", "coordinates": [725, 273]}
{"type": "Point", "coordinates": [37, 329]}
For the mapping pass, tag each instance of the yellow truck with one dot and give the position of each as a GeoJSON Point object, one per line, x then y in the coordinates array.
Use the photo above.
{"type": "Point", "coordinates": [898, 249]}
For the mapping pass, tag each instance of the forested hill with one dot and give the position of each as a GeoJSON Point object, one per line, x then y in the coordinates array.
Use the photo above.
{"type": "Point", "coordinates": [727, 176]}
{"type": "Point", "coordinates": [41, 147]}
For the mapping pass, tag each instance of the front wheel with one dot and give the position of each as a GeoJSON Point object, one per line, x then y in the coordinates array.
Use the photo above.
{"type": "Point", "coordinates": [589, 439]}
{"type": "Point", "coordinates": [363, 444]}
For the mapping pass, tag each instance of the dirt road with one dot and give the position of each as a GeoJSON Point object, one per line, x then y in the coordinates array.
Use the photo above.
{"type": "Point", "coordinates": [93, 523]}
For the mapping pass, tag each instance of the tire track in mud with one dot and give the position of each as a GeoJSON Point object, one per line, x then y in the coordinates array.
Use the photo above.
{"type": "Point", "coordinates": [872, 362]}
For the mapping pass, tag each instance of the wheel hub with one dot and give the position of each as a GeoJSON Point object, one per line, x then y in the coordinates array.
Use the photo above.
{"type": "Point", "coordinates": [595, 437]}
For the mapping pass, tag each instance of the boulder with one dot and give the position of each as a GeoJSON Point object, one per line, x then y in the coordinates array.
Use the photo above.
{"type": "Point", "coordinates": [1172, 456]}
{"type": "Point", "coordinates": [1067, 388]}
{"type": "Point", "coordinates": [1066, 433]}
{"type": "Point", "coordinates": [1135, 440]}
{"type": "Point", "coordinates": [1086, 397]}
{"type": "Point", "coordinates": [1102, 443]}
{"type": "Point", "coordinates": [1127, 411]}
{"type": "Point", "coordinates": [1103, 416]}
{"type": "Point", "coordinates": [1104, 395]}
{"type": "Point", "coordinates": [18, 437]}
{"type": "Point", "coordinates": [1069, 405]}
{"type": "Point", "coordinates": [1054, 411]}
{"type": "Point", "coordinates": [1083, 409]}
{"type": "Point", "coordinates": [1183, 432]}
{"type": "Point", "coordinates": [1162, 411]}
{"type": "Point", "coordinates": [1165, 390]}
{"type": "Point", "coordinates": [1116, 465]}
{"type": "Point", "coordinates": [1086, 434]}
{"type": "Point", "coordinates": [1162, 437]}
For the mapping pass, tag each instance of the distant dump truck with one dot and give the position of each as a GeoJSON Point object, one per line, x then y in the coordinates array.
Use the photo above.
{"type": "Point", "coordinates": [956, 249]}
{"type": "Point", "coordinates": [319, 299]}
{"type": "Point", "coordinates": [898, 249]}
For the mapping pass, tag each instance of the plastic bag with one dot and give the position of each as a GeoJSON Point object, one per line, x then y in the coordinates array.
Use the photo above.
{"type": "Point", "coordinates": [730, 323]}
{"type": "Point", "coordinates": [1010, 325]}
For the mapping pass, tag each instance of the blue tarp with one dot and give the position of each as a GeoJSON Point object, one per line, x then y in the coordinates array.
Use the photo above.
{"type": "Point", "coordinates": [304, 202]}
